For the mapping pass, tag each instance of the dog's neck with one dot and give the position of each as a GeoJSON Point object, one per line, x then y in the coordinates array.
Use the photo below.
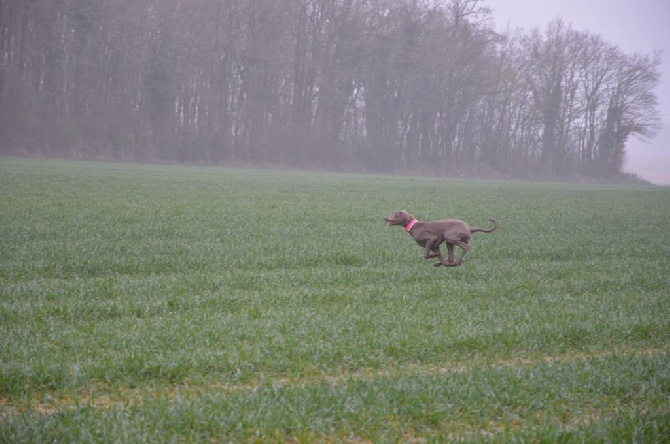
{"type": "Point", "coordinates": [410, 225]}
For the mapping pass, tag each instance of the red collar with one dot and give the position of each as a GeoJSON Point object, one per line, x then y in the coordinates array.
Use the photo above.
{"type": "Point", "coordinates": [410, 225]}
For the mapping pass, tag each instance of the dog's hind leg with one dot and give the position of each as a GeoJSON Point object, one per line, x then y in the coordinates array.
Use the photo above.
{"type": "Point", "coordinates": [452, 240]}
{"type": "Point", "coordinates": [449, 262]}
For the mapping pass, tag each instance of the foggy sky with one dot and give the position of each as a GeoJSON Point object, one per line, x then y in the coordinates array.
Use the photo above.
{"type": "Point", "coordinates": [635, 26]}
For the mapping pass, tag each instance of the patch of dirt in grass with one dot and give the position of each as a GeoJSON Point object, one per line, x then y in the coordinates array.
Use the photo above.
{"type": "Point", "coordinates": [104, 397]}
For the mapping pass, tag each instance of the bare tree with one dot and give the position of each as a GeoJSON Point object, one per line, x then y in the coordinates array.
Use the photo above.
{"type": "Point", "coordinates": [377, 84]}
{"type": "Point", "coordinates": [630, 110]}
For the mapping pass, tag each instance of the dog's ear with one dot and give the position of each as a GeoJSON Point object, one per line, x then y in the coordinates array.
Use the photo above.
{"type": "Point", "coordinates": [403, 215]}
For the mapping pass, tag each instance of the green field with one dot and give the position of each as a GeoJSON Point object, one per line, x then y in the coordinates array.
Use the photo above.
{"type": "Point", "coordinates": [187, 304]}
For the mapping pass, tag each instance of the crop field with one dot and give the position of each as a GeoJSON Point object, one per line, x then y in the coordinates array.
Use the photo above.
{"type": "Point", "coordinates": [144, 303]}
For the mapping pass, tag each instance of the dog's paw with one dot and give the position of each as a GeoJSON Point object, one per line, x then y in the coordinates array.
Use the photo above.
{"type": "Point", "coordinates": [437, 264]}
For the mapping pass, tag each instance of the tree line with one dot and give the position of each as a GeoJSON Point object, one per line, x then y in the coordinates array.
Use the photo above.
{"type": "Point", "coordinates": [366, 85]}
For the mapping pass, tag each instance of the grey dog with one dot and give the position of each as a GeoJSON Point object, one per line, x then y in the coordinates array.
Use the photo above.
{"type": "Point", "coordinates": [431, 234]}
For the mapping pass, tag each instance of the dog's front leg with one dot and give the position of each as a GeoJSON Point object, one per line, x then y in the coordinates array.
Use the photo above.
{"type": "Point", "coordinates": [433, 250]}
{"type": "Point", "coordinates": [443, 261]}
{"type": "Point", "coordinates": [430, 251]}
{"type": "Point", "coordinates": [438, 254]}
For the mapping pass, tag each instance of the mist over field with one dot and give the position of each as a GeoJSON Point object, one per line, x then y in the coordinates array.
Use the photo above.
{"type": "Point", "coordinates": [369, 86]}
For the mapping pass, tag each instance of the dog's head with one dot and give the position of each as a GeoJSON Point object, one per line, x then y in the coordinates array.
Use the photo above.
{"type": "Point", "coordinates": [400, 217]}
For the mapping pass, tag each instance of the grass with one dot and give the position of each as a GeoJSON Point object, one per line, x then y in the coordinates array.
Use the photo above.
{"type": "Point", "coordinates": [166, 303]}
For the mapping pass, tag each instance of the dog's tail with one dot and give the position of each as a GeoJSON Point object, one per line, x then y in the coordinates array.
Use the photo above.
{"type": "Point", "coordinates": [482, 230]}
